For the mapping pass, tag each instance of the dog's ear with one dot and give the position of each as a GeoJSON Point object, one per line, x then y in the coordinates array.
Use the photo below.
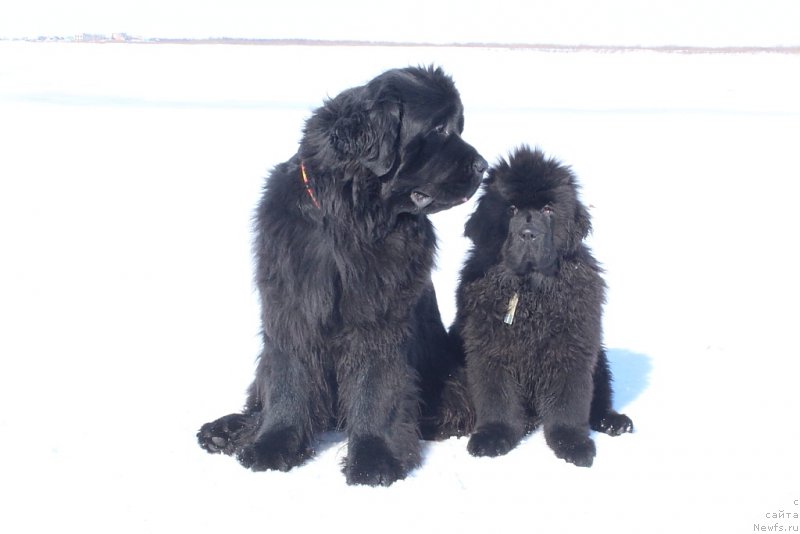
{"type": "Point", "coordinates": [368, 132]}
{"type": "Point", "coordinates": [384, 124]}
{"type": "Point", "coordinates": [348, 133]}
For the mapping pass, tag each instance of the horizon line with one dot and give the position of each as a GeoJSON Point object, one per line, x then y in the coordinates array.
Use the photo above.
{"type": "Point", "coordinates": [123, 38]}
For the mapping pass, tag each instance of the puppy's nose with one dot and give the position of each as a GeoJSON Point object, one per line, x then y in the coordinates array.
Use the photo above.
{"type": "Point", "coordinates": [527, 234]}
{"type": "Point", "coordinates": [480, 165]}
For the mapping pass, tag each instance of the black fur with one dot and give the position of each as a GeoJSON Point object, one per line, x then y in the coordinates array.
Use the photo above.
{"type": "Point", "coordinates": [351, 329]}
{"type": "Point", "coordinates": [541, 362]}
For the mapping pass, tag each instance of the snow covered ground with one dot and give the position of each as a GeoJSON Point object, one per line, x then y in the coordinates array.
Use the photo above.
{"type": "Point", "coordinates": [128, 175]}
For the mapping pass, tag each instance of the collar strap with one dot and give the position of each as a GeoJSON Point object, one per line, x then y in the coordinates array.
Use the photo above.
{"type": "Point", "coordinates": [307, 185]}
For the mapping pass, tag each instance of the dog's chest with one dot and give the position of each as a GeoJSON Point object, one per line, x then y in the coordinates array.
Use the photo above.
{"type": "Point", "coordinates": [383, 276]}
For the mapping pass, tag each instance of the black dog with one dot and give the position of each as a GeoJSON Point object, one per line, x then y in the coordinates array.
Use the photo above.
{"type": "Point", "coordinates": [344, 250]}
{"type": "Point", "coordinates": [529, 314]}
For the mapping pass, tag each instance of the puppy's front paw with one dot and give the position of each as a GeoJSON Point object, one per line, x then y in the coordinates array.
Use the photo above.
{"type": "Point", "coordinates": [493, 439]}
{"type": "Point", "coordinates": [370, 462]}
{"type": "Point", "coordinates": [613, 424]}
{"type": "Point", "coordinates": [571, 444]}
{"type": "Point", "coordinates": [278, 449]}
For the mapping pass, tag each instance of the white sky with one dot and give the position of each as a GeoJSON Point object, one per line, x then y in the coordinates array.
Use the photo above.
{"type": "Point", "coordinates": [614, 22]}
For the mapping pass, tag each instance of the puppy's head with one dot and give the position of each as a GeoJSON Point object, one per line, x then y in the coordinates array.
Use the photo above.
{"type": "Point", "coordinates": [529, 216]}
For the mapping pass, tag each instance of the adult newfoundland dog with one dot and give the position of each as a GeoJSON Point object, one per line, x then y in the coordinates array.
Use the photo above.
{"type": "Point", "coordinates": [529, 314]}
{"type": "Point", "coordinates": [352, 336]}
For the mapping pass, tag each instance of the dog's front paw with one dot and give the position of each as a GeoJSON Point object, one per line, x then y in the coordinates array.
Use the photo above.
{"type": "Point", "coordinates": [613, 424]}
{"type": "Point", "coordinates": [571, 444]}
{"type": "Point", "coordinates": [370, 462]}
{"type": "Point", "coordinates": [493, 439]}
{"type": "Point", "coordinates": [277, 449]}
{"type": "Point", "coordinates": [226, 434]}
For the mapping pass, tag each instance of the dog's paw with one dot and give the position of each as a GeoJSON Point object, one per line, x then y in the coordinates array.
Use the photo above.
{"type": "Point", "coordinates": [277, 449]}
{"type": "Point", "coordinates": [225, 435]}
{"type": "Point", "coordinates": [494, 439]}
{"type": "Point", "coordinates": [370, 462]}
{"type": "Point", "coordinates": [613, 424]}
{"type": "Point", "coordinates": [571, 444]}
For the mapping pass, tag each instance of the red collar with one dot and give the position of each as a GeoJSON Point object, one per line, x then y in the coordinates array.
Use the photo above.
{"type": "Point", "coordinates": [307, 184]}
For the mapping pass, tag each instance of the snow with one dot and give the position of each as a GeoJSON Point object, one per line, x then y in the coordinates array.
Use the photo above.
{"type": "Point", "coordinates": [128, 177]}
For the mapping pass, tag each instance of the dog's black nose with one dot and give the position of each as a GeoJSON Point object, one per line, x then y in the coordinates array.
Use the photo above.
{"type": "Point", "coordinates": [527, 234]}
{"type": "Point", "coordinates": [480, 165]}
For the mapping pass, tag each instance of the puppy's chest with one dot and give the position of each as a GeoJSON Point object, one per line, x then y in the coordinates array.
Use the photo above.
{"type": "Point", "coordinates": [525, 313]}
{"type": "Point", "coordinates": [511, 311]}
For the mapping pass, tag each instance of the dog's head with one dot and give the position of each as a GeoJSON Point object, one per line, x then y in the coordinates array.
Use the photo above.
{"type": "Point", "coordinates": [529, 216]}
{"type": "Point", "coordinates": [400, 135]}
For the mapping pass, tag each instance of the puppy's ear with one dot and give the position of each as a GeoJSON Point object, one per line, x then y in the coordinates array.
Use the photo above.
{"type": "Point", "coordinates": [582, 220]}
{"type": "Point", "coordinates": [488, 224]}
{"type": "Point", "coordinates": [581, 225]}
{"type": "Point", "coordinates": [368, 132]}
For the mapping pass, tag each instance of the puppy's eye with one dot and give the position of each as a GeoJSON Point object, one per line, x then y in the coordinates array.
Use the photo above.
{"type": "Point", "coordinates": [512, 209]}
{"type": "Point", "coordinates": [547, 210]}
{"type": "Point", "coordinates": [441, 129]}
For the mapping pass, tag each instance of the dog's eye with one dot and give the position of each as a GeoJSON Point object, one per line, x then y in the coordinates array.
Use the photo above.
{"type": "Point", "coordinates": [547, 210]}
{"type": "Point", "coordinates": [441, 129]}
{"type": "Point", "coordinates": [512, 209]}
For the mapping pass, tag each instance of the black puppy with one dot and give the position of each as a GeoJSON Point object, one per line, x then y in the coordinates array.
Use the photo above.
{"type": "Point", "coordinates": [529, 314]}
{"type": "Point", "coordinates": [344, 250]}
